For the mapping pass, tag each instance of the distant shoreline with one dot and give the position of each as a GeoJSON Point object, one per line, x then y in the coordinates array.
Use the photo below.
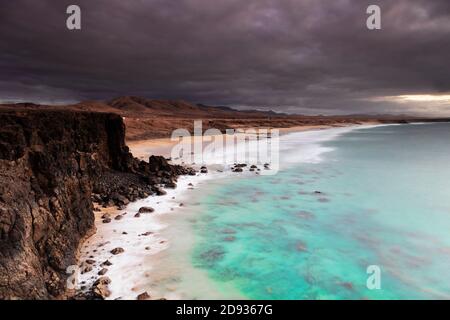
{"type": "Point", "coordinates": [156, 119]}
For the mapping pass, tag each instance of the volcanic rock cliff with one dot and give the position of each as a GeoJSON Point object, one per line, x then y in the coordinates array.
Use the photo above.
{"type": "Point", "coordinates": [53, 165]}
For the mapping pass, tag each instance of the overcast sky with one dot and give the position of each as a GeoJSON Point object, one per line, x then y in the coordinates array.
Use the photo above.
{"type": "Point", "coordinates": [302, 56]}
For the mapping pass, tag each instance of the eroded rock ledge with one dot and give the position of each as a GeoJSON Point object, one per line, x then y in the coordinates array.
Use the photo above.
{"type": "Point", "coordinates": [53, 165]}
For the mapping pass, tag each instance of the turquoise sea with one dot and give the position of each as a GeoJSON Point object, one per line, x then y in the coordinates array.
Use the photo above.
{"type": "Point", "coordinates": [375, 196]}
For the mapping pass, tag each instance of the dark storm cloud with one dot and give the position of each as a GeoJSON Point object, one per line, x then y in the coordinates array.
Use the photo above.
{"type": "Point", "coordinates": [308, 56]}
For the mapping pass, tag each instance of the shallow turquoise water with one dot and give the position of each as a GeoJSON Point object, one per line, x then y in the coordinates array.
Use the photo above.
{"type": "Point", "coordinates": [384, 200]}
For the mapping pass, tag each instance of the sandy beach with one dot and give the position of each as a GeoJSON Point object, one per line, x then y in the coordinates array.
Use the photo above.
{"type": "Point", "coordinates": [137, 234]}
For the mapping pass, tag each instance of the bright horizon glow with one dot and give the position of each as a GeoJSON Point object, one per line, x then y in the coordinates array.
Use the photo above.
{"type": "Point", "coordinates": [414, 98]}
{"type": "Point", "coordinates": [424, 97]}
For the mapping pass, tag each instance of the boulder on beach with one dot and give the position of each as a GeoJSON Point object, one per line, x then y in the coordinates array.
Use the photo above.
{"type": "Point", "coordinates": [120, 199]}
{"type": "Point", "coordinates": [86, 268]}
{"type": "Point", "coordinates": [106, 263]}
{"type": "Point", "coordinates": [116, 251]}
{"type": "Point", "coordinates": [100, 288]}
{"type": "Point", "coordinates": [160, 191]}
{"type": "Point", "coordinates": [143, 296]}
{"type": "Point", "coordinates": [102, 280]}
{"type": "Point", "coordinates": [171, 185]}
{"type": "Point", "coordinates": [146, 210]}
{"type": "Point", "coordinates": [102, 272]}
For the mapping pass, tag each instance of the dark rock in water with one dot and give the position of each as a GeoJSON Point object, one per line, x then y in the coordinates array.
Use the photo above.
{"type": "Point", "coordinates": [228, 231]}
{"type": "Point", "coordinates": [137, 215]}
{"type": "Point", "coordinates": [147, 233]}
{"type": "Point", "coordinates": [102, 280]}
{"type": "Point", "coordinates": [102, 271]}
{"type": "Point", "coordinates": [106, 216]}
{"type": "Point", "coordinates": [143, 296]}
{"type": "Point", "coordinates": [106, 263]}
{"type": "Point", "coordinates": [90, 261]}
{"type": "Point", "coordinates": [100, 289]}
{"type": "Point", "coordinates": [116, 251]}
{"type": "Point", "coordinates": [100, 292]}
{"type": "Point", "coordinates": [119, 217]}
{"type": "Point", "coordinates": [238, 169]}
{"type": "Point", "coordinates": [253, 167]}
{"type": "Point", "coordinates": [86, 269]}
{"type": "Point", "coordinates": [300, 246]}
{"type": "Point", "coordinates": [107, 220]}
{"type": "Point", "coordinates": [146, 210]}
{"type": "Point", "coordinates": [212, 256]}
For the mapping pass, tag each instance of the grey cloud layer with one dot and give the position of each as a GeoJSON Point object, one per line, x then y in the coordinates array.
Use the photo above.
{"type": "Point", "coordinates": [310, 56]}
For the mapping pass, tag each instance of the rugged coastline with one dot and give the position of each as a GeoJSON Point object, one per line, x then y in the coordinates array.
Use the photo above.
{"type": "Point", "coordinates": [53, 166]}
{"type": "Point", "coordinates": [62, 169]}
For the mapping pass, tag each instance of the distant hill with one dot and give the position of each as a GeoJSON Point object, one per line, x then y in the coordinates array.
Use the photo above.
{"type": "Point", "coordinates": [177, 108]}
{"type": "Point", "coordinates": [156, 118]}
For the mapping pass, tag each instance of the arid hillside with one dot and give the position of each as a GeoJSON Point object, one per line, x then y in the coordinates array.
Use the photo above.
{"type": "Point", "coordinates": [151, 118]}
